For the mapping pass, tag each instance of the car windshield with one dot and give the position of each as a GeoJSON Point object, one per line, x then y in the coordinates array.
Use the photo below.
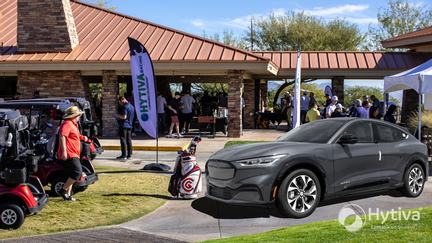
{"type": "Point", "coordinates": [314, 132]}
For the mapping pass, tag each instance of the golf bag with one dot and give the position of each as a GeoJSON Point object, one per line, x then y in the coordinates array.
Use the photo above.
{"type": "Point", "coordinates": [186, 182]}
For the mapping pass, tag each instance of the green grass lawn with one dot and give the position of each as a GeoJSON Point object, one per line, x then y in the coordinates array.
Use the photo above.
{"type": "Point", "coordinates": [114, 199]}
{"type": "Point", "coordinates": [332, 231]}
{"type": "Point", "coordinates": [239, 142]}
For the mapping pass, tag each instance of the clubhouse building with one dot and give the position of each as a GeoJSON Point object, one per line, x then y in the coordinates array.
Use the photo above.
{"type": "Point", "coordinates": [60, 48]}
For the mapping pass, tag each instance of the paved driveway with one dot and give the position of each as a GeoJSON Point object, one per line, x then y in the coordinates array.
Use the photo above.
{"type": "Point", "coordinates": [204, 219]}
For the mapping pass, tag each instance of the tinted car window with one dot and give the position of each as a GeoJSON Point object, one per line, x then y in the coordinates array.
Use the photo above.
{"type": "Point", "coordinates": [387, 134]}
{"type": "Point", "coordinates": [362, 131]}
{"type": "Point", "coordinates": [314, 132]}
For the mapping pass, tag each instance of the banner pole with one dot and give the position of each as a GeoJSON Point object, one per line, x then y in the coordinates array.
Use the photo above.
{"type": "Point", "coordinates": [144, 89]}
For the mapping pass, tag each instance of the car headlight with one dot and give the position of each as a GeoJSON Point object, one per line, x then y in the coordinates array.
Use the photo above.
{"type": "Point", "coordinates": [262, 161]}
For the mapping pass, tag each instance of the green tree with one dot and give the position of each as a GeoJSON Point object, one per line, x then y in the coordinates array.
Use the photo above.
{"type": "Point", "coordinates": [287, 32]}
{"type": "Point", "coordinates": [400, 17]}
{"type": "Point", "coordinates": [229, 38]}
{"type": "Point", "coordinates": [106, 4]}
{"type": "Point", "coordinates": [357, 92]}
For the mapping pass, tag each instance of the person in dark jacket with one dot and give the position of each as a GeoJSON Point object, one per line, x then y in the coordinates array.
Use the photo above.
{"type": "Point", "coordinates": [389, 116]}
{"type": "Point", "coordinates": [374, 112]}
{"type": "Point", "coordinates": [125, 120]}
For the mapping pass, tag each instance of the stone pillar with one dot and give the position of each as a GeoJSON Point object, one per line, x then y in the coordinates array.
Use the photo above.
{"type": "Point", "coordinates": [109, 103]}
{"type": "Point", "coordinates": [410, 102]}
{"type": "Point", "coordinates": [263, 94]}
{"type": "Point", "coordinates": [50, 83]}
{"type": "Point", "coordinates": [338, 88]}
{"type": "Point", "coordinates": [249, 98]}
{"type": "Point", "coordinates": [235, 82]}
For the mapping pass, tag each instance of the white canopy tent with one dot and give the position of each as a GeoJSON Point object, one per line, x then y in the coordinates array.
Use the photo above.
{"type": "Point", "coordinates": [418, 78]}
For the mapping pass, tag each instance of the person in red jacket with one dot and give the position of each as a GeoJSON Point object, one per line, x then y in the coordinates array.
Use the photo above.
{"type": "Point", "coordinates": [69, 149]}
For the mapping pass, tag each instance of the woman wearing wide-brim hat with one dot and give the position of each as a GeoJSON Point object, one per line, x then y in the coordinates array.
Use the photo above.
{"type": "Point", "coordinates": [70, 148]}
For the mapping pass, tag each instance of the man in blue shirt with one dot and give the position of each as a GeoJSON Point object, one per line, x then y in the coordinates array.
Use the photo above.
{"type": "Point", "coordinates": [126, 118]}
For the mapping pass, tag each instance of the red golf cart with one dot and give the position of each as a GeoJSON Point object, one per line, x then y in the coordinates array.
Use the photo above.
{"type": "Point", "coordinates": [20, 194]}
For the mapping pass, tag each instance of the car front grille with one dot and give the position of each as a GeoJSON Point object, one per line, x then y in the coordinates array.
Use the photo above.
{"type": "Point", "coordinates": [220, 170]}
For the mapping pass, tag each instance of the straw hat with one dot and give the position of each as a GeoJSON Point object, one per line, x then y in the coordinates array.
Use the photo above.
{"type": "Point", "coordinates": [72, 112]}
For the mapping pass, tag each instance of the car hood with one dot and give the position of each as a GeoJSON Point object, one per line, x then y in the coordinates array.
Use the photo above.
{"type": "Point", "coordinates": [256, 150]}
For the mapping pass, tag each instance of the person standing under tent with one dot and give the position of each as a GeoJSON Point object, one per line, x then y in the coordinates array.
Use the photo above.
{"type": "Point", "coordinates": [313, 114]}
{"type": "Point", "coordinates": [312, 99]}
{"type": "Point", "coordinates": [339, 111]}
{"type": "Point", "coordinates": [161, 104]}
{"type": "Point", "coordinates": [363, 111]}
{"type": "Point", "coordinates": [174, 108]}
{"type": "Point", "coordinates": [288, 109]}
{"type": "Point", "coordinates": [389, 116]}
{"type": "Point", "coordinates": [304, 107]}
{"type": "Point", "coordinates": [332, 107]}
{"type": "Point", "coordinates": [187, 112]}
{"type": "Point", "coordinates": [125, 118]}
{"type": "Point", "coordinates": [69, 150]}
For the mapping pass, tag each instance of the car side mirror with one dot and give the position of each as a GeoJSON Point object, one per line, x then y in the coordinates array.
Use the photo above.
{"type": "Point", "coordinates": [348, 139]}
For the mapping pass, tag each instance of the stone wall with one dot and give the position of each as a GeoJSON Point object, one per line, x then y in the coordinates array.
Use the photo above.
{"type": "Point", "coordinates": [50, 83]}
{"type": "Point", "coordinates": [109, 103]}
{"type": "Point", "coordinates": [46, 26]}
{"type": "Point", "coordinates": [249, 98]}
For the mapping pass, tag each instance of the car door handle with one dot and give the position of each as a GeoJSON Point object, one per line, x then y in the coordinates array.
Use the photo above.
{"type": "Point", "coordinates": [379, 155]}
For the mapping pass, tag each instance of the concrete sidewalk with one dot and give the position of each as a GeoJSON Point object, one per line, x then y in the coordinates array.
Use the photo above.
{"type": "Point", "coordinates": [176, 144]}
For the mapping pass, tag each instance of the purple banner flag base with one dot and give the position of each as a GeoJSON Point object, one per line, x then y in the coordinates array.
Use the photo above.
{"type": "Point", "coordinates": [144, 93]}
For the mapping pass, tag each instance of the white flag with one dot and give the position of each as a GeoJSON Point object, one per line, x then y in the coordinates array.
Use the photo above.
{"type": "Point", "coordinates": [296, 112]}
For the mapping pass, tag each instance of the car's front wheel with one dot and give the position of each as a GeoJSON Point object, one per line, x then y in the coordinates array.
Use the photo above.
{"type": "Point", "coordinates": [299, 194]}
{"type": "Point", "coordinates": [414, 181]}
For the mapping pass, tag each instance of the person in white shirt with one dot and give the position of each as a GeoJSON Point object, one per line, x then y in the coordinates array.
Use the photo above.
{"type": "Point", "coordinates": [186, 112]}
{"type": "Point", "coordinates": [304, 106]}
{"type": "Point", "coordinates": [332, 107]}
{"type": "Point", "coordinates": [161, 104]}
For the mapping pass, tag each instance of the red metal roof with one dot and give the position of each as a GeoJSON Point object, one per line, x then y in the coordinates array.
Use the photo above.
{"type": "Point", "coordinates": [412, 38]}
{"type": "Point", "coordinates": [103, 37]}
{"type": "Point", "coordinates": [348, 60]}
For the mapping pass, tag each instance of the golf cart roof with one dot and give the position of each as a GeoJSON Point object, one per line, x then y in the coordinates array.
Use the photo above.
{"type": "Point", "coordinates": [81, 101]}
{"type": "Point", "coordinates": [24, 104]}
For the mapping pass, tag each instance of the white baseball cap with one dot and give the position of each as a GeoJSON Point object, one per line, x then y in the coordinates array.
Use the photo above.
{"type": "Point", "coordinates": [334, 97]}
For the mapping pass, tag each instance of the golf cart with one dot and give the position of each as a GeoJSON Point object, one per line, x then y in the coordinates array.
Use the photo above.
{"type": "Point", "coordinates": [45, 117]}
{"type": "Point", "coordinates": [20, 193]}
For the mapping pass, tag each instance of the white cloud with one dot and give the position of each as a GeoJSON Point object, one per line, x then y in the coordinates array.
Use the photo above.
{"type": "Point", "coordinates": [362, 20]}
{"type": "Point", "coordinates": [244, 22]}
{"type": "Point", "coordinates": [198, 23]}
{"type": "Point", "coordinates": [337, 10]}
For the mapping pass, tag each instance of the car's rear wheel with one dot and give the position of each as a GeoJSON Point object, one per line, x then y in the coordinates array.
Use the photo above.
{"type": "Point", "coordinates": [414, 181]}
{"type": "Point", "coordinates": [11, 216]}
{"type": "Point", "coordinates": [299, 194]}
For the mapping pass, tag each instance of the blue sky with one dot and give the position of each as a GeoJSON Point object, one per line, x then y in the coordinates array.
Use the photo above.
{"type": "Point", "coordinates": [209, 17]}
{"type": "Point", "coordinates": [216, 16]}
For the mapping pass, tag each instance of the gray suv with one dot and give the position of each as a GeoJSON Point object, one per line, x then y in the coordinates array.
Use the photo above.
{"type": "Point", "coordinates": [321, 160]}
